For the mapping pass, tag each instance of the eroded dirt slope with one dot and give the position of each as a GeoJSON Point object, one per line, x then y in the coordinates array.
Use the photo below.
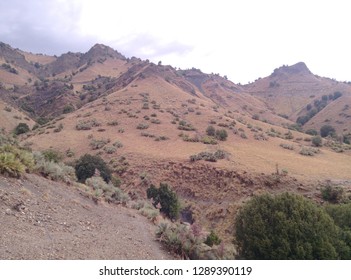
{"type": "Point", "coordinates": [41, 219]}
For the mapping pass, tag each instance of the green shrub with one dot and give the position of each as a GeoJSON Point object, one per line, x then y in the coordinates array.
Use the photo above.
{"type": "Point", "coordinates": [15, 161]}
{"type": "Point", "coordinates": [221, 134]}
{"type": "Point", "coordinates": [212, 239]}
{"type": "Point", "coordinates": [116, 181]}
{"type": "Point", "coordinates": [9, 69]}
{"type": "Point", "coordinates": [96, 182]}
{"type": "Point", "coordinates": [87, 124]}
{"type": "Point", "coordinates": [260, 137]}
{"type": "Point", "coordinates": [109, 149]}
{"type": "Point", "coordinates": [10, 165]}
{"type": "Point", "coordinates": [145, 134]}
{"type": "Point", "coordinates": [243, 135]}
{"type": "Point", "coordinates": [312, 132]}
{"type": "Point", "coordinates": [21, 128]}
{"type": "Point", "coordinates": [187, 138]}
{"type": "Point", "coordinates": [56, 171]}
{"type": "Point", "coordinates": [332, 194]}
{"type": "Point", "coordinates": [68, 109]}
{"type": "Point", "coordinates": [108, 191]}
{"type": "Point", "coordinates": [119, 165]}
{"type": "Point", "coordinates": [289, 135]}
{"type": "Point", "coordinates": [146, 209]}
{"type": "Point", "coordinates": [188, 242]}
{"type": "Point", "coordinates": [179, 239]}
{"type": "Point", "coordinates": [166, 198]}
{"type": "Point", "coordinates": [118, 144]}
{"type": "Point", "coordinates": [210, 130]}
{"type": "Point", "coordinates": [287, 146]}
{"type": "Point", "coordinates": [161, 138]}
{"type": "Point", "coordinates": [208, 156]}
{"type": "Point", "coordinates": [6, 139]}
{"type": "Point", "coordinates": [155, 121]}
{"type": "Point", "coordinates": [113, 123]}
{"type": "Point", "coordinates": [286, 226]}
{"type": "Point", "coordinates": [52, 155]}
{"type": "Point", "coordinates": [317, 141]}
{"type": "Point", "coordinates": [336, 95]}
{"type": "Point", "coordinates": [24, 156]}
{"type": "Point", "coordinates": [255, 117]}
{"type": "Point", "coordinates": [42, 120]}
{"type": "Point", "coordinates": [327, 130]}
{"type": "Point", "coordinates": [97, 144]}
{"type": "Point", "coordinates": [309, 151]}
{"type": "Point", "coordinates": [183, 125]}
{"type": "Point", "coordinates": [88, 164]}
{"type": "Point", "coordinates": [209, 140]}
{"type": "Point", "coordinates": [142, 126]}
{"type": "Point", "coordinates": [341, 214]}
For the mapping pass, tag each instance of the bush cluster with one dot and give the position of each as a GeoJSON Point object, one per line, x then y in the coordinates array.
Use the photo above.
{"type": "Point", "coordinates": [142, 126]}
{"type": "Point", "coordinates": [68, 109]}
{"type": "Point", "coordinates": [87, 165]}
{"type": "Point", "coordinates": [220, 134]}
{"type": "Point", "coordinates": [108, 191]}
{"type": "Point", "coordinates": [9, 68]}
{"type": "Point", "coordinates": [212, 239]}
{"type": "Point", "coordinates": [52, 155]}
{"type": "Point", "coordinates": [183, 125]}
{"type": "Point", "coordinates": [317, 141]}
{"type": "Point", "coordinates": [15, 161]}
{"type": "Point", "coordinates": [110, 149]}
{"type": "Point", "coordinates": [189, 242]}
{"type": "Point", "coordinates": [327, 130]}
{"type": "Point", "coordinates": [96, 144]}
{"type": "Point", "coordinates": [207, 156]}
{"type": "Point", "coordinates": [287, 146]}
{"type": "Point", "coordinates": [317, 106]}
{"type": "Point", "coordinates": [332, 194]}
{"type": "Point", "coordinates": [21, 128]}
{"type": "Point", "coordinates": [113, 123]}
{"type": "Point", "coordinates": [87, 124]}
{"type": "Point", "coordinates": [166, 199]}
{"type": "Point", "coordinates": [309, 151]}
{"type": "Point", "coordinates": [287, 226]}
{"type": "Point", "coordinates": [146, 209]}
{"type": "Point", "coordinates": [54, 170]}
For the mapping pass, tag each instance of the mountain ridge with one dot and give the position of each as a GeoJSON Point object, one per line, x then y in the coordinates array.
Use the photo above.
{"type": "Point", "coordinates": [150, 122]}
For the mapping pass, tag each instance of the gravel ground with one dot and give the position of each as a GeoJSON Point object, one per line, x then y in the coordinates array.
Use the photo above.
{"type": "Point", "coordinates": [42, 219]}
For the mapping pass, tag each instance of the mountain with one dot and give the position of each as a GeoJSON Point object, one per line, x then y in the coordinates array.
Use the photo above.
{"type": "Point", "coordinates": [300, 96]}
{"type": "Point", "coordinates": [150, 123]}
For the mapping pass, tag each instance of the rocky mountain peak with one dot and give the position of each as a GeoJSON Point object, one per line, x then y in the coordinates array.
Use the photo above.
{"type": "Point", "coordinates": [298, 68]}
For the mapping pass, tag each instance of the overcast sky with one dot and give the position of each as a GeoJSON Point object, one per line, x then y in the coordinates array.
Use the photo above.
{"type": "Point", "coordinates": [243, 39]}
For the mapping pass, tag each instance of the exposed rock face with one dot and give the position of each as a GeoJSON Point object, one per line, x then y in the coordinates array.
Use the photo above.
{"type": "Point", "coordinates": [298, 68]}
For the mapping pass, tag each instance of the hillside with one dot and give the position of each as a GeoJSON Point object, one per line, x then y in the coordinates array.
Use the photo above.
{"type": "Point", "coordinates": [42, 219]}
{"type": "Point", "coordinates": [295, 92]}
{"type": "Point", "coordinates": [150, 122]}
{"type": "Point", "coordinates": [11, 117]}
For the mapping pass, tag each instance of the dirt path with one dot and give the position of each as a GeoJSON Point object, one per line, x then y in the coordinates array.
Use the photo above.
{"type": "Point", "coordinates": [41, 219]}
